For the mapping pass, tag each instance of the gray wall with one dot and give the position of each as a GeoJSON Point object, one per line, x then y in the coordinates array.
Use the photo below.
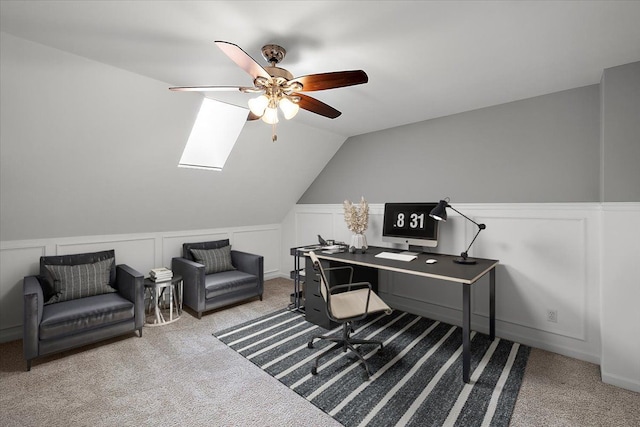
{"type": "Point", "coordinates": [543, 149]}
{"type": "Point", "coordinates": [620, 89]}
{"type": "Point", "coordinates": [89, 149]}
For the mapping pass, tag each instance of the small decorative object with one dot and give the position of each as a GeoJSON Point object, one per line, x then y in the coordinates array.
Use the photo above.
{"type": "Point", "coordinates": [357, 219]}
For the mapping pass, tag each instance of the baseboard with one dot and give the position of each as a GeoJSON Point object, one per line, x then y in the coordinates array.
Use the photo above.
{"type": "Point", "coordinates": [11, 334]}
{"type": "Point", "coordinates": [620, 382]}
{"type": "Point", "coordinates": [275, 274]}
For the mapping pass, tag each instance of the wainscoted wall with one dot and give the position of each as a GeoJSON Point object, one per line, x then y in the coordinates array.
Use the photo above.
{"type": "Point", "coordinates": [620, 294]}
{"type": "Point", "coordinates": [549, 260]}
{"type": "Point", "coordinates": [141, 251]}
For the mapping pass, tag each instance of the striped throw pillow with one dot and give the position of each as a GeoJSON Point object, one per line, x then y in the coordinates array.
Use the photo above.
{"type": "Point", "coordinates": [79, 281]}
{"type": "Point", "coordinates": [214, 260]}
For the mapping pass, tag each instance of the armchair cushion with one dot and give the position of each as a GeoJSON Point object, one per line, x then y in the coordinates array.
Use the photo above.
{"type": "Point", "coordinates": [214, 260]}
{"type": "Point", "coordinates": [67, 318]}
{"type": "Point", "coordinates": [81, 280]}
{"type": "Point", "coordinates": [228, 281]}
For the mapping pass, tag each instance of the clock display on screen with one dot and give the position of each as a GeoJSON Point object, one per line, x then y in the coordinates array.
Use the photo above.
{"type": "Point", "coordinates": [412, 220]}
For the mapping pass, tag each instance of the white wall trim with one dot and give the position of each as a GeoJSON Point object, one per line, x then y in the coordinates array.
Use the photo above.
{"type": "Point", "coordinates": [571, 275]}
{"type": "Point", "coordinates": [141, 251]}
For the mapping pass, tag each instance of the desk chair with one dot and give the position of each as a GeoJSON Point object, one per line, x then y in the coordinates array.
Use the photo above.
{"type": "Point", "coordinates": [346, 303]}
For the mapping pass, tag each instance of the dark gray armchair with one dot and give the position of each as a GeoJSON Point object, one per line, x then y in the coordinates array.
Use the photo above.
{"type": "Point", "coordinates": [58, 318]}
{"type": "Point", "coordinates": [215, 276]}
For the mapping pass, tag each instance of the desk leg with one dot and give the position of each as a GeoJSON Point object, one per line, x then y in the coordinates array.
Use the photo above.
{"type": "Point", "coordinates": [492, 303]}
{"type": "Point", "coordinates": [466, 332]}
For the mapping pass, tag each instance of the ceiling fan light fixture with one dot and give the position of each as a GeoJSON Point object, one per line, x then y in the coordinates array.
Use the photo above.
{"type": "Point", "coordinates": [289, 108]}
{"type": "Point", "coordinates": [277, 86]}
{"type": "Point", "coordinates": [270, 116]}
{"type": "Point", "coordinates": [258, 105]}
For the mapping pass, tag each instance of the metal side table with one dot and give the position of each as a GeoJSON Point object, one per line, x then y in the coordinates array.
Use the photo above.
{"type": "Point", "coordinates": [159, 310]}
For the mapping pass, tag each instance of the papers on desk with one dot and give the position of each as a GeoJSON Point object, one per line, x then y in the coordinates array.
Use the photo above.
{"type": "Point", "coordinates": [333, 249]}
{"type": "Point", "coordinates": [396, 256]}
{"type": "Point", "coordinates": [327, 249]}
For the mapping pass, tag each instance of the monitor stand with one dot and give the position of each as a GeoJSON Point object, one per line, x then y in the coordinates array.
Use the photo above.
{"type": "Point", "coordinates": [412, 250]}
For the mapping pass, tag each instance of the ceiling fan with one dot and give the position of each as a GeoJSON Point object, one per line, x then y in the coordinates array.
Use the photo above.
{"type": "Point", "coordinates": [278, 87]}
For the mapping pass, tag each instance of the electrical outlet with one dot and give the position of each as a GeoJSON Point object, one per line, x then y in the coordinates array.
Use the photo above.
{"type": "Point", "coordinates": [552, 316]}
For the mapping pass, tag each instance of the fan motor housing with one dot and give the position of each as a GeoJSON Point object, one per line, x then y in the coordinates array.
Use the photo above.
{"type": "Point", "coordinates": [279, 72]}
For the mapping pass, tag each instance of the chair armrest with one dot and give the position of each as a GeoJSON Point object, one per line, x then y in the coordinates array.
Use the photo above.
{"type": "Point", "coordinates": [130, 285]}
{"type": "Point", "coordinates": [250, 264]}
{"type": "Point", "coordinates": [33, 300]}
{"type": "Point", "coordinates": [192, 281]}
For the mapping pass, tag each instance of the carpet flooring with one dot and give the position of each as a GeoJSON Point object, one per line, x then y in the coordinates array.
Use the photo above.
{"type": "Point", "coordinates": [416, 380]}
{"type": "Point", "coordinates": [179, 374]}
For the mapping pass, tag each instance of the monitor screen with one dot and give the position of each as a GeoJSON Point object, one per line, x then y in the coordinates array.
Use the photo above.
{"type": "Point", "coordinates": [410, 223]}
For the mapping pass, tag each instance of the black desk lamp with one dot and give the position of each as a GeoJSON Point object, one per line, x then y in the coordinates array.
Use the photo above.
{"type": "Point", "coordinates": [439, 213]}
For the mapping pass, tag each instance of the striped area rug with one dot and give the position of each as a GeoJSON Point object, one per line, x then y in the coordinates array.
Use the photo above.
{"type": "Point", "coordinates": [416, 380]}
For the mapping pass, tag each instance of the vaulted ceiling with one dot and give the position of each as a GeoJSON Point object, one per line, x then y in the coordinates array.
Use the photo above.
{"type": "Point", "coordinates": [424, 59]}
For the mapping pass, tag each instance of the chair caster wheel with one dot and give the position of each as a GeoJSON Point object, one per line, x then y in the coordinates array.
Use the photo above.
{"type": "Point", "coordinates": [310, 344]}
{"type": "Point", "coordinates": [314, 371]}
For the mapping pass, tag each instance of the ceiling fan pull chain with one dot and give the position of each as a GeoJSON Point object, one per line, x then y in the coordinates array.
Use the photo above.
{"type": "Point", "coordinates": [274, 137]}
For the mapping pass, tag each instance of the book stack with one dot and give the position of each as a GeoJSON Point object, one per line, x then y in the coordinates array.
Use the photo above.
{"type": "Point", "coordinates": [161, 274]}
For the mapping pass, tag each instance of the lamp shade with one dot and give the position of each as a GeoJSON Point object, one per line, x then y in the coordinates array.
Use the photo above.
{"type": "Point", "coordinates": [258, 105]}
{"type": "Point", "coordinates": [289, 109]}
{"type": "Point", "coordinates": [439, 213]}
{"type": "Point", "coordinates": [270, 116]}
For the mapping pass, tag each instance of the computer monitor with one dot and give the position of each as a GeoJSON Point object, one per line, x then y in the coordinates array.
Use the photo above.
{"type": "Point", "coordinates": [410, 223]}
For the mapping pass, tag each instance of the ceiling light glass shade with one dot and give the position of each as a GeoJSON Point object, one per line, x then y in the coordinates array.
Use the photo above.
{"type": "Point", "coordinates": [270, 116]}
{"type": "Point", "coordinates": [289, 108]}
{"type": "Point", "coordinates": [258, 105]}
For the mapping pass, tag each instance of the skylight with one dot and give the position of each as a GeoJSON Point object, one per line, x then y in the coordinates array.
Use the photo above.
{"type": "Point", "coordinates": [213, 135]}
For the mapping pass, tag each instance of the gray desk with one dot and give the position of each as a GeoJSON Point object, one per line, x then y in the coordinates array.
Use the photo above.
{"type": "Point", "coordinates": [445, 269]}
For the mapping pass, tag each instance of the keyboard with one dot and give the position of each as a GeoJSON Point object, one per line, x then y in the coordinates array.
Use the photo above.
{"type": "Point", "coordinates": [396, 256]}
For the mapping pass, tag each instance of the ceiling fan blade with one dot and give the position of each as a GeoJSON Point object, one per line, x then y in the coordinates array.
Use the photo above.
{"type": "Point", "coordinates": [318, 107]}
{"type": "Point", "coordinates": [252, 116]}
{"type": "Point", "coordinates": [211, 89]}
{"type": "Point", "coordinates": [242, 59]}
{"type": "Point", "coordinates": [332, 80]}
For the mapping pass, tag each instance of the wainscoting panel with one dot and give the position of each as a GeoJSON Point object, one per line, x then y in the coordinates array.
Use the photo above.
{"type": "Point", "coordinates": [259, 242]}
{"type": "Point", "coordinates": [544, 267]}
{"type": "Point", "coordinates": [549, 262]}
{"type": "Point", "coordinates": [140, 251]}
{"type": "Point", "coordinates": [16, 263]}
{"type": "Point", "coordinates": [310, 225]}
